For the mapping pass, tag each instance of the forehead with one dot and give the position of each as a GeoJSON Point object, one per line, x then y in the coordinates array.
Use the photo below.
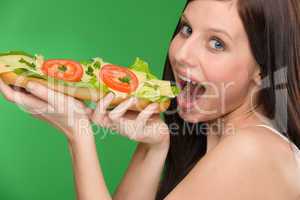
{"type": "Point", "coordinates": [216, 14]}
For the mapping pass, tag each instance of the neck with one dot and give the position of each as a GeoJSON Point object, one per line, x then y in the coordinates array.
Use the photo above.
{"type": "Point", "coordinates": [228, 124]}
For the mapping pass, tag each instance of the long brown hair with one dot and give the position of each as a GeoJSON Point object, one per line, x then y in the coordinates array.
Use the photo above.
{"type": "Point", "coordinates": [273, 30]}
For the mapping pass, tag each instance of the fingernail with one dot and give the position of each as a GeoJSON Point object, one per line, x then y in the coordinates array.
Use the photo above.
{"type": "Point", "coordinates": [134, 99]}
{"type": "Point", "coordinates": [112, 94]}
{"type": "Point", "coordinates": [1, 81]}
{"type": "Point", "coordinates": [30, 85]}
{"type": "Point", "coordinates": [108, 94]}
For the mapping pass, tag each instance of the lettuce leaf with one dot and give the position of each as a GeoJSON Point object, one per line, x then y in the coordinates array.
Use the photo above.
{"type": "Point", "coordinates": [90, 84]}
{"type": "Point", "coordinates": [148, 92]}
{"type": "Point", "coordinates": [93, 83]}
{"type": "Point", "coordinates": [175, 89]}
{"type": "Point", "coordinates": [28, 73]}
{"type": "Point", "coordinates": [142, 66]}
{"type": "Point", "coordinates": [86, 62]}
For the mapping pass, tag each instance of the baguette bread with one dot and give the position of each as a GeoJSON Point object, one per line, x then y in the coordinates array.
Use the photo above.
{"type": "Point", "coordinates": [80, 93]}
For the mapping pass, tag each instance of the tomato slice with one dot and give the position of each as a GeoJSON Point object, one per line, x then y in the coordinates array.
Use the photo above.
{"type": "Point", "coordinates": [119, 78]}
{"type": "Point", "coordinates": [67, 70]}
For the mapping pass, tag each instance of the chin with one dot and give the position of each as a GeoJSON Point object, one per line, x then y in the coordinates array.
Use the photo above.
{"type": "Point", "coordinates": [194, 117]}
{"type": "Point", "coordinates": [189, 117]}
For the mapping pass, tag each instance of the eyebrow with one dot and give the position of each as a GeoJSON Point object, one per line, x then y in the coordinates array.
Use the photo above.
{"type": "Point", "coordinates": [184, 18]}
{"type": "Point", "coordinates": [220, 31]}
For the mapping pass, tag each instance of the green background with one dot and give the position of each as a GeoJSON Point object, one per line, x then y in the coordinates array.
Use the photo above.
{"type": "Point", "coordinates": [34, 158]}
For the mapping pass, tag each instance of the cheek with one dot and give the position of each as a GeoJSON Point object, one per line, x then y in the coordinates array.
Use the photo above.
{"type": "Point", "coordinates": [235, 91]}
{"type": "Point", "coordinates": [223, 70]}
{"type": "Point", "coordinates": [231, 79]}
{"type": "Point", "coordinates": [175, 44]}
{"type": "Point", "coordinates": [172, 50]}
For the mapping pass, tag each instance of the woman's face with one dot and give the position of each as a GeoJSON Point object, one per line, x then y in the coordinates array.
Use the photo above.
{"type": "Point", "coordinates": [213, 51]}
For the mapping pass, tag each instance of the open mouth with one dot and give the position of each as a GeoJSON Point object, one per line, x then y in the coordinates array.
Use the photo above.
{"type": "Point", "coordinates": [190, 91]}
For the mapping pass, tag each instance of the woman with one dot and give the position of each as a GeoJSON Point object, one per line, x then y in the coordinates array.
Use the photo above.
{"type": "Point", "coordinates": [237, 62]}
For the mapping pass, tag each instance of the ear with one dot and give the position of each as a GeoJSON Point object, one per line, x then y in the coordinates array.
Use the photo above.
{"type": "Point", "coordinates": [257, 76]}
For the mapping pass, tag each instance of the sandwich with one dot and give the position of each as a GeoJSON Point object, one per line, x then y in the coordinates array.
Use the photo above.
{"type": "Point", "coordinates": [89, 80]}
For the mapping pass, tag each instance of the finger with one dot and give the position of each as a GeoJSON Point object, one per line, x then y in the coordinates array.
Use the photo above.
{"type": "Point", "coordinates": [6, 91]}
{"type": "Point", "coordinates": [107, 123]}
{"type": "Point", "coordinates": [104, 122]}
{"type": "Point", "coordinates": [102, 105]}
{"type": "Point", "coordinates": [39, 116]}
{"type": "Point", "coordinates": [26, 100]}
{"type": "Point", "coordinates": [54, 98]}
{"type": "Point", "coordinates": [33, 105]}
{"type": "Point", "coordinates": [89, 112]}
{"type": "Point", "coordinates": [121, 109]}
{"type": "Point", "coordinates": [144, 116]}
{"type": "Point", "coordinates": [20, 89]}
{"type": "Point", "coordinates": [125, 127]}
{"type": "Point", "coordinates": [46, 118]}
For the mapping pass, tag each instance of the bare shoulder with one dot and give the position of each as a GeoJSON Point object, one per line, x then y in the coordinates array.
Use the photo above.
{"type": "Point", "coordinates": [256, 146]}
{"type": "Point", "coordinates": [262, 143]}
{"type": "Point", "coordinates": [270, 153]}
{"type": "Point", "coordinates": [244, 165]}
{"type": "Point", "coordinates": [263, 146]}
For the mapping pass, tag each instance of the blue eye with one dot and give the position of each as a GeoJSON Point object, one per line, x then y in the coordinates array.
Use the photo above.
{"type": "Point", "coordinates": [216, 44]}
{"type": "Point", "coordinates": [186, 29]}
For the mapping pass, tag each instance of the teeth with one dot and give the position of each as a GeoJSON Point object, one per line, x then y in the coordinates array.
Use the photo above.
{"type": "Point", "coordinates": [187, 79]}
{"type": "Point", "coordinates": [184, 78]}
{"type": "Point", "coordinates": [189, 82]}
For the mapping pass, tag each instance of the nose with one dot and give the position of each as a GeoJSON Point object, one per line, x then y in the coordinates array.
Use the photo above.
{"type": "Point", "coordinates": [186, 55]}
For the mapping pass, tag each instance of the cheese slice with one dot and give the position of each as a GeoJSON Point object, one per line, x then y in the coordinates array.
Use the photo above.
{"type": "Point", "coordinates": [9, 63]}
{"type": "Point", "coordinates": [163, 86]}
{"type": "Point", "coordinates": [4, 69]}
{"type": "Point", "coordinates": [142, 77]}
{"type": "Point", "coordinates": [13, 60]}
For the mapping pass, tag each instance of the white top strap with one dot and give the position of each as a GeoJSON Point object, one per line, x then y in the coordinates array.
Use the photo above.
{"type": "Point", "coordinates": [294, 147]}
{"type": "Point", "coordinates": [275, 131]}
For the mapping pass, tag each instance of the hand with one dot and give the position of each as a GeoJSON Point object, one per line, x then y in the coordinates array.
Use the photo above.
{"type": "Point", "coordinates": [144, 126]}
{"type": "Point", "coordinates": [64, 112]}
